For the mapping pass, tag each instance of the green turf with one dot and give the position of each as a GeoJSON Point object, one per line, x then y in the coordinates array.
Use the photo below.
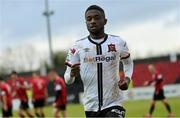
{"type": "Point", "coordinates": [134, 109]}
{"type": "Point", "coordinates": [141, 107]}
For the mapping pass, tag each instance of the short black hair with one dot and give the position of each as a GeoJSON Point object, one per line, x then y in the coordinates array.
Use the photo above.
{"type": "Point", "coordinates": [13, 72]}
{"type": "Point", "coordinates": [95, 7]}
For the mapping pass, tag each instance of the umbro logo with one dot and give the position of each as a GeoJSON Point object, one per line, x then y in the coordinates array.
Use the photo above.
{"type": "Point", "coordinates": [86, 49]}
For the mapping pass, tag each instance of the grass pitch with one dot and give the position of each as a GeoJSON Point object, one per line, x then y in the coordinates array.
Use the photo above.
{"type": "Point", "coordinates": [133, 108]}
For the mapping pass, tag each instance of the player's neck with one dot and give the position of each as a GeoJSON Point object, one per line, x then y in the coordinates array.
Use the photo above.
{"type": "Point", "coordinates": [98, 36]}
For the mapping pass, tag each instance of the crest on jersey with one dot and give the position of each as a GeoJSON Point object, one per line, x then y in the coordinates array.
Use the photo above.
{"type": "Point", "coordinates": [111, 48]}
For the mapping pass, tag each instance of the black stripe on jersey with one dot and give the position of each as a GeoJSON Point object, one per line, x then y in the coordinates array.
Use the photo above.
{"type": "Point", "coordinates": [99, 70]}
{"type": "Point", "coordinates": [100, 85]}
{"type": "Point", "coordinates": [98, 49]}
{"type": "Point", "coordinates": [100, 78]}
{"type": "Point", "coordinates": [105, 38]}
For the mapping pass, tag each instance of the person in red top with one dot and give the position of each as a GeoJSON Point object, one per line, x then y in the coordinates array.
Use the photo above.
{"type": "Point", "coordinates": [39, 94]}
{"type": "Point", "coordinates": [20, 86]}
{"type": "Point", "coordinates": [60, 94]}
{"type": "Point", "coordinates": [157, 80]}
{"type": "Point", "coordinates": [6, 99]}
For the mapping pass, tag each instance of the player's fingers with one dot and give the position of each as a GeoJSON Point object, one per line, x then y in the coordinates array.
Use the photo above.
{"type": "Point", "coordinates": [123, 85]}
{"type": "Point", "coordinates": [75, 70]}
{"type": "Point", "coordinates": [121, 82]}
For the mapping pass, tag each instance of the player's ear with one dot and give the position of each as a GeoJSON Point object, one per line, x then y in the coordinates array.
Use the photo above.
{"type": "Point", "coordinates": [105, 21]}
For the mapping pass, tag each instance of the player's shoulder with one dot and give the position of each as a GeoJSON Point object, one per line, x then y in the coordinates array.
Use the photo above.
{"type": "Point", "coordinates": [58, 79]}
{"type": "Point", "coordinates": [116, 38]}
{"type": "Point", "coordinates": [113, 36]}
{"type": "Point", "coordinates": [78, 43]}
{"type": "Point", "coordinates": [82, 39]}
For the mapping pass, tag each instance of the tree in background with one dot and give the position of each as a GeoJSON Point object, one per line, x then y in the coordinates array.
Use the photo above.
{"type": "Point", "coordinates": [21, 59]}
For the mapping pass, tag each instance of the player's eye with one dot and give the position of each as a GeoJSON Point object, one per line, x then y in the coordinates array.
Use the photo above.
{"type": "Point", "coordinates": [88, 19]}
{"type": "Point", "coordinates": [97, 17]}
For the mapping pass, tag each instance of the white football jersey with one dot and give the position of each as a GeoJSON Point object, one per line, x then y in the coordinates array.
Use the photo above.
{"type": "Point", "coordinates": [99, 70]}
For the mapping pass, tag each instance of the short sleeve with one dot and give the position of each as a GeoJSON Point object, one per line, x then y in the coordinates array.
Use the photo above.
{"type": "Point", "coordinates": [73, 56]}
{"type": "Point", "coordinates": [25, 83]}
{"type": "Point", "coordinates": [159, 76]}
{"type": "Point", "coordinates": [124, 52]}
{"type": "Point", "coordinates": [3, 93]}
{"type": "Point", "coordinates": [58, 87]}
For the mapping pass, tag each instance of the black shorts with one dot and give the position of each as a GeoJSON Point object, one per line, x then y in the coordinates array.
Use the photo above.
{"type": "Point", "coordinates": [114, 111]}
{"type": "Point", "coordinates": [61, 107]}
{"type": "Point", "coordinates": [39, 103]}
{"type": "Point", "coordinates": [7, 113]}
{"type": "Point", "coordinates": [24, 105]}
{"type": "Point", "coordinates": [159, 96]}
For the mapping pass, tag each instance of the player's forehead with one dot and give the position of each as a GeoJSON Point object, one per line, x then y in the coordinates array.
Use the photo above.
{"type": "Point", "coordinates": [93, 12]}
{"type": "Point", "coordinates": [13, 74]}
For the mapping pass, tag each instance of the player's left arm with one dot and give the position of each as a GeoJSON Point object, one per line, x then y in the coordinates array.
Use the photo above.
{"type": "Point", "coordinates": [128, 70]}
{"type": "Point", "coordinates": [127, 66]}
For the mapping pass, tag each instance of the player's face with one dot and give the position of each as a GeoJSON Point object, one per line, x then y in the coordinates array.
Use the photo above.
{"type": "Point", "coordinates": [13, 76]}
{"type": "Point", "coordinates": [95, 21]}
{"type": "Point", "coordinates": [34, 75]}
{"type": "Point", "coordinates": [51, 76]}
{"type": "Point", "coordinates": [151, 69]}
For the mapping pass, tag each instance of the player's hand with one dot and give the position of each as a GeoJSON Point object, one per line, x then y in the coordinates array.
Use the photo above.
{"type": "Point", "coordinates": [124, 83]}
{"type": "Point", "coordinates": [5, 108]}
{"type": "Point", "coordinates": [75, 71]}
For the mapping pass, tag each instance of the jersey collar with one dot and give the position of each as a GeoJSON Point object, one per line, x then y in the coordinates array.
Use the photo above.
{"type": "Point", "coordinates": [105, 38]}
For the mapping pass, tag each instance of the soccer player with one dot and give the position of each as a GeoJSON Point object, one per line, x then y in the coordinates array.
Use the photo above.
{"type": "Point", "coordinates": [39, 94]}
{"type": "Point", "coordinates": [6, 99]}
{"type": "Point", "coordinates": [157, 80]}
{"type": "Point", "coordinates": [60, 94]}
{"type": "Point", "coordinates": [20, 88]}
{"type": "Point", "coordinates": [96, 58]}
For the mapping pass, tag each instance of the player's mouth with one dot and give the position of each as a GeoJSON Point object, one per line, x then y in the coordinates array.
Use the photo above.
{"type": "Point", "coordinates": [93, 27]}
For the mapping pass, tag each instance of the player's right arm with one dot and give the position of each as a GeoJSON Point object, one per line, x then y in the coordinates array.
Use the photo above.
{"type": "Point", "coordinates": [72, 63]}
{"type": "Point", "coordinates": [4, 100]}
{"type": "Point", "coordinates": [71, 73]}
